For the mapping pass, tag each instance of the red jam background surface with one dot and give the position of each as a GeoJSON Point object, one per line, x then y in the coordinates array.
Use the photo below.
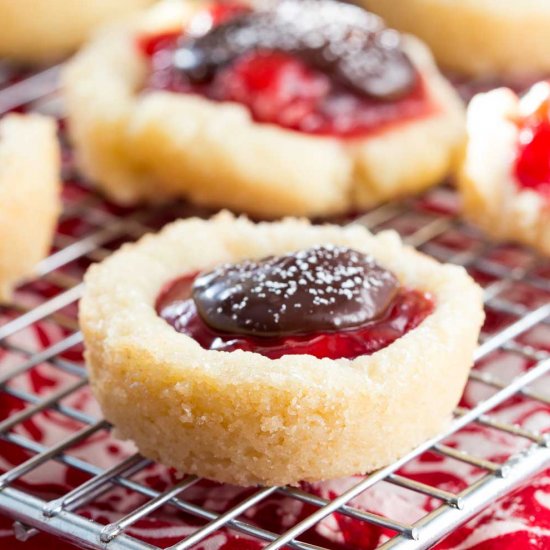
{"type": "Point", "coordinates": [407, 311]}
{"type": "Point", "coordinates": [532, 168]}
{"type": "Point", "coordinates": [280, 89]}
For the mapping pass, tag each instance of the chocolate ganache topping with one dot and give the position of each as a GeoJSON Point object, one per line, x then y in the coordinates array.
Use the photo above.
{"type": "Point", "coordinates": [347, 43]}
{"type": "Point", "coordinates": [325, 288]}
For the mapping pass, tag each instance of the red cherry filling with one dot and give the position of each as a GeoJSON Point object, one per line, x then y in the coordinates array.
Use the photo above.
{"type": "Point", "coordinates": [220, 13]}
{"type": "Point", "coordinates": [275, 87]}
{"type": "Point", "coordinates": [532, 167]}
{"type": "Point", "coordinates": [280, 88]}
{"type": "Point", "coordinates": [406, 311]}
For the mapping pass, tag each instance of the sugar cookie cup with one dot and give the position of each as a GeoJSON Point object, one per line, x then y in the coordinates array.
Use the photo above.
{"type": "Point", "coordinates": [158, 145]}
{"type": "Point", "coordinates": [42, 31]}
{"type": "Point", "coordinates": [29, 195]}
{"type": "Point", "coordinates": [493, 199]}
{"type": "Point", "coordinates": [239, 417]}
{"type": "Point", "coordinates": [478, 38]}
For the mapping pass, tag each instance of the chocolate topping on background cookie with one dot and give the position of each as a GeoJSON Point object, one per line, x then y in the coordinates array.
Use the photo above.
{"type": "Point", "coordinates": [324, 288]}
{"type": "Point", "coordinates": [347, 43]}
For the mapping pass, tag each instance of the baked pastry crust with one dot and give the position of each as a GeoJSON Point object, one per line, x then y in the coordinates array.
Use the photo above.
{"type": "Point", "coordinates": [159, 145]}
{"type": "Point", "coordinates": [476, 37]}
{"type": "Point", "coordinates": [40, 31]}
{"type": "Point", "coordinates": [29, 195]}
{"type": "Point", "coordinates": [242, 418]}
{"type": "Point", "coordinates": [492, 198]}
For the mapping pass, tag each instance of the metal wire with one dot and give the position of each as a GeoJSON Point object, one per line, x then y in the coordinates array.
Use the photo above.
{"type": "Point", "coordinates": [106, 230]}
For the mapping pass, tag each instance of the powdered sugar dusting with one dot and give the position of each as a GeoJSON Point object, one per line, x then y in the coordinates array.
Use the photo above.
{"type": "Point", "coordinates": [342, 280]}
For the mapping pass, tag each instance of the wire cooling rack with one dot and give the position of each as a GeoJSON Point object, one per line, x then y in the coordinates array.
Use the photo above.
{"type": "Point", "coordinates": [517, 291]}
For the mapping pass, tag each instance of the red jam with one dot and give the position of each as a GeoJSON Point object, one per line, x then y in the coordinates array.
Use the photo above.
{"type": "Point", "coordinates": [532, 168]}
{"type": "Point", "coordinates": [280, 88]}
{"type": "Point", "coordinates": [407, 310]}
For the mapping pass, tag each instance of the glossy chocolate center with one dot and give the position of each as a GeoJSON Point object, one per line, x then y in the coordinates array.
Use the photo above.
{"type": "Point", "coordinates": [325, 288]}
{"type": "Point", "coordinates": [347, 43]}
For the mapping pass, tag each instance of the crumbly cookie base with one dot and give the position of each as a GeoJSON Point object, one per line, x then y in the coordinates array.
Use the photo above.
{"type": "Point", "coordinates": [239, 417]}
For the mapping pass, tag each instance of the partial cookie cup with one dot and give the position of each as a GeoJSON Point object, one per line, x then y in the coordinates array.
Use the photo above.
{"type": "Point", "coordinates": [476, 37]}
{"type": "Point", "coordinates": [492, 198]}
{"type": "Point", "coordinates": [29, 195]}
{"type": "Point", "coordinates": [157, 145]}
{"type": "Point", "coordinates": [41, 31]}
{"type": "Point", "coordinates": [242, 418]}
